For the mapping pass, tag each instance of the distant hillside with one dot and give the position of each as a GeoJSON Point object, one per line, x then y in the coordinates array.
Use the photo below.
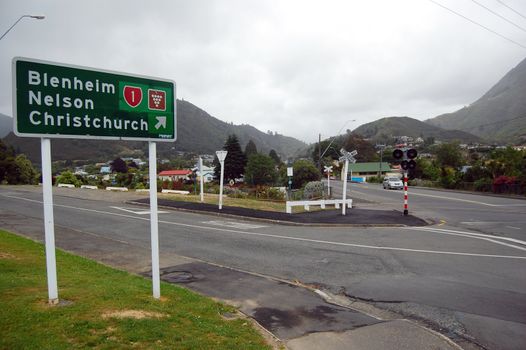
{"type": "Point", "coordinates": [383, 130]}
{"type": "Point", "coordinates": [6, 125]}
{"type": "Point", "coordinates": [197, 132]}
{"type": "Point", "coordinates": [499, 115]}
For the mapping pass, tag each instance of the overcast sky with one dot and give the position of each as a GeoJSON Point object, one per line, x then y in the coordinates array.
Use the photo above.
{"type": "Point", "coordinates": [296, 67]}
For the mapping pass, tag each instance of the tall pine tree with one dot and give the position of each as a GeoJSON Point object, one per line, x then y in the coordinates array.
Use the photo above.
{"type": "Point", "coordinates": [250, 149]}
{"type": "Point", "coordinates": [235, 160]}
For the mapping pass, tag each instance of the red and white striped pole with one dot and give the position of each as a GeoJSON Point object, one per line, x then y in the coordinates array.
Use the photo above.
{"type": "Point", "coordinates": [406, 211]}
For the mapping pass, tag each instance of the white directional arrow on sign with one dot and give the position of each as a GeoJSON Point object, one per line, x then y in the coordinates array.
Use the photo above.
{"type": "Point", "coordinates": [161, 122]}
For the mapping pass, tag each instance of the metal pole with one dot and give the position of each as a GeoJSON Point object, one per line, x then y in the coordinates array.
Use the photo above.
{"type": "Point", "coordinates": [201, 178]}
{"type": "Point", "coordinates": [381, 148]}
{"type": "Point", "coordinates": [329, 184]}
{"type": "Point", "coordinates": [221, 185]}
{"type": "Point", "coordinates": [406, 211]}
{"type": "Point", "coordinates": [49, 225]}
{"type": "Point", "coordinates": [344, 195]}
{"type": "Point", "coordinates": [154, 224]}
{"type": "Point", "coordinates": [319, 151]}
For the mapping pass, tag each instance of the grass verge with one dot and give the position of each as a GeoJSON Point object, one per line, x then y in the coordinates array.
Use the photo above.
{"type": "Point", "coordinates": [107, 308]}
{"type": "Point", "coordinates": [237, 202]}
{"type": "Point", "coordinates": [227, 201]}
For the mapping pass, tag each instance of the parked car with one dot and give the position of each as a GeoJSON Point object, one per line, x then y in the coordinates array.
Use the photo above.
{"type": "Point", "coordinates": [393, 182]}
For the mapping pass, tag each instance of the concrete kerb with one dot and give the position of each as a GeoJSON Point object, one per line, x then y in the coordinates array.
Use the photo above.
{"type": "Point", "coordinates": [279, 222]}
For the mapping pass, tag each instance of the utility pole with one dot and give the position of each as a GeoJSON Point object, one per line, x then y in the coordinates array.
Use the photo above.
{"type": "Point", "coordinates": [381, 148]}
{"type": "Point", "coordinates": [319, 151]}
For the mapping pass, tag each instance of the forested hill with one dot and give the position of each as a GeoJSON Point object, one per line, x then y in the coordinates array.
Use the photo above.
{"type": "Point", "coordinates": [499, 115]}
{"type": "Point", "coordinates": [383, 130]}
{"type": "Point", "coordinates": [197, 132]}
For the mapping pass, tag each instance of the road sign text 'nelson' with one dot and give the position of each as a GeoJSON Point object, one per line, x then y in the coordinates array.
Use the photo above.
{"type": "Point", "coordinates": [56, 100]}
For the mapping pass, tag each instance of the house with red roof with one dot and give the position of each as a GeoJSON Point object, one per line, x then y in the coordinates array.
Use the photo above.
{"type": "Point", "coordinates": [175, 175]}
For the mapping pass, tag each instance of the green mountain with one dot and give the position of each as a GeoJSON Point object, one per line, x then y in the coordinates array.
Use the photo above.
{"type": "Point", "coordinates": [383, 130]}
{"type": "Point", "coordinates": [6, 125]}
{"type": "Point", "coordinates": [499, 115]}
{"type": "Point", "coordinates": [197, 132]}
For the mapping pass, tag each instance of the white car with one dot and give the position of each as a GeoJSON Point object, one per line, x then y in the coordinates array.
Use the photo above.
{"type": "Point", "coordinates": [393, 182]}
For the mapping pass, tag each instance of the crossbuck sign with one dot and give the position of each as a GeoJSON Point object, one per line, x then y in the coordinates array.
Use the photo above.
{"type": "Point", "coordinates": [346, 157]}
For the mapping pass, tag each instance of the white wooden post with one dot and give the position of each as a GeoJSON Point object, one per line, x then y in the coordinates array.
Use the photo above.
{"type": "Point", "coordinates": [344, 195]}
{"type": "Point", "coordinates": [49, 225]}
{"type": "Point", "coordinates": [201, 178]}
{"type": "Point", "coordinates": [221, 155]}
{"type": "Point", "coordinates": [154, 224]}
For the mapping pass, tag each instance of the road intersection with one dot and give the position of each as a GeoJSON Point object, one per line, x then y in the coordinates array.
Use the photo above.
{"type": "Point", "coordinates": [461, 276]}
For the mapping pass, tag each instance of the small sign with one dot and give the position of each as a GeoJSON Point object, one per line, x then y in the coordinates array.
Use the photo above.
{"type": "Point", "coordinates": [290, 171]}
{"type": "Point", "coordinates": [55, 100]}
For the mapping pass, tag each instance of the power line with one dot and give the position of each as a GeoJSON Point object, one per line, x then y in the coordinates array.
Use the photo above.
{"type": "Point", "coordinates": [498, 15]}
{"type": "Point", "coordinates": [517, 12]}
{"type": "Point", "coordinates": [478, 24]}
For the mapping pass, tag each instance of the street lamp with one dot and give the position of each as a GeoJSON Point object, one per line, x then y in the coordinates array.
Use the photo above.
{"type": "Point", "coordinates": [338, 133]}
{"type": "Point", "coordinates": [18, 20]}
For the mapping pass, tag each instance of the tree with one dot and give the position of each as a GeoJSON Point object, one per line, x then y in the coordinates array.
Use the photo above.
{"type": "Point", "coordinates": [67, 177]}
{"type": "Point", "coordinates": [235, 161]}
{"type": "Point", "coordinates": [7, 160]}
{"type": "Point", "coordinates": [272, 154]}
{"type": "Point", "coordinates": [250, 149]}
{"type": "Point", "coordinates": [119, 166]}
{"type": "Point", "coordinates": [260, 170]}
{"type": "Point", "coordinates": [365, 149]}
{"type": "Point", "coordinates": [304, 171]}
{"type": "Point", "coordinates": [25, 170]}
{"type": "Point", "coordinates": [449, 155]}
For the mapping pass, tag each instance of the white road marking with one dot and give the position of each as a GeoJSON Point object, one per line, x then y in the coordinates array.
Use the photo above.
{"type": "Point", "coordinates": [456, 199]}
{"type": "Point", "coordinates": [513, 227]}
{"type": "Point", "coordinates": [233, 224]}
{"type": "Point", "coordinates": [138, 212]}
{"type": "Point", "coordinates": [439, 252]}
{"type": "Point", "coordinates": [489, 238]}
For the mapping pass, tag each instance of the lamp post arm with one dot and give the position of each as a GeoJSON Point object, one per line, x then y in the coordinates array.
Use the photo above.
{"type": "Point", "coordinates": [18, 20]}
{"type": "Point", "coordinates": [326, 149]}
{"type": "Point", "coordinates": [14, 24]}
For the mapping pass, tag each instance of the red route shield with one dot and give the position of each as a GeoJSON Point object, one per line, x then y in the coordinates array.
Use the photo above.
{"type": "Point", "coordinates": [132, 95]}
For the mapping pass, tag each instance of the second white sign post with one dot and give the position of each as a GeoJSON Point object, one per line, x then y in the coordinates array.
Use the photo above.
{"type": "Point", "coordinates": [221, 155]}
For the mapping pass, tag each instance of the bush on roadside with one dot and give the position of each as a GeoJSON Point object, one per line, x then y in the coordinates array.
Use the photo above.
{"type": "Point", "coordinates": [313, 189]}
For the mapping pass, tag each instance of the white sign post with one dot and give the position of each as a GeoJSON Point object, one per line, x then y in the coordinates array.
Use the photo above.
{"type": "Point", "coordinates": [201, 180]}
{"type": "Point", "coordinates": [328, 170]}
{"type": "Point", "coordinates": [154, 225]}
{"type": "Point", "coordinates": [347, 157]}
{"type": "Point", "coordinates": [221, 155]}
{"type": "Point", "coordinates": [49, 226]}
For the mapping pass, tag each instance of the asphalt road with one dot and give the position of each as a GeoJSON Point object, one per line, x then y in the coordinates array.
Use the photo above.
{"type": "Point", "coordinates": [464, 276]}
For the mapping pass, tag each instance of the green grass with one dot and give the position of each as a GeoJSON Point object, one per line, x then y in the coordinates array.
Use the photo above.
{"type": "Point", "coordinates": [237, 202]}
{"type": "Point", "coordinates": [181, 319]}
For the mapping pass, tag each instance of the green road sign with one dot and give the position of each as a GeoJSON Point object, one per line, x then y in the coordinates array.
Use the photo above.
{"type": "Point", "coordinates": [57, 100]}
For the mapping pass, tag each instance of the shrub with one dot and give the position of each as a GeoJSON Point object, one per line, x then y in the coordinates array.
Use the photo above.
{"type": "Point", "coordinates": [313, 189]}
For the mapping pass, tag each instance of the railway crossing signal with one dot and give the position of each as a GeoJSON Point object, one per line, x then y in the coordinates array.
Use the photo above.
{"type": "Point", "coordinates": [407, 157]}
